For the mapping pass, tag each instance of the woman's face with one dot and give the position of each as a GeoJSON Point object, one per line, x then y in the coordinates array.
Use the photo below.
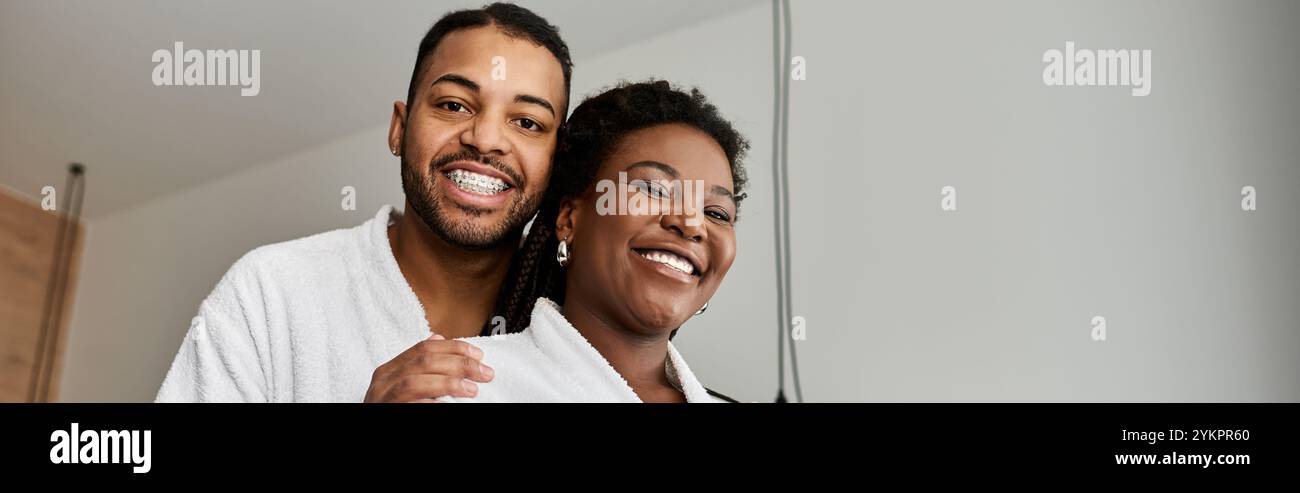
{"type": "Point", "coordinates": [650, 264]}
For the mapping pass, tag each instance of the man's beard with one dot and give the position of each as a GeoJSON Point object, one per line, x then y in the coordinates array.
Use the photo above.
{"type": "Point", "coordinates": [463, 234]}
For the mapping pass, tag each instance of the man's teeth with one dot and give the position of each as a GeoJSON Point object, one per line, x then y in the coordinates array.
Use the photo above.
{"type": "Point", "coordinates": [475, 183]}
{"type": "Point", "coordinates": [670, 259]}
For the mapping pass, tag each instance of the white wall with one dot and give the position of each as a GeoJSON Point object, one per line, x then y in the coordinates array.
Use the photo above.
{"type": "Point", "coordinates": [1073, 202]}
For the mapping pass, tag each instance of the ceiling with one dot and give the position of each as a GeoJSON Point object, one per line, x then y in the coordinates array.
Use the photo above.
{"type": "Point", "coordinates": [77, 81]}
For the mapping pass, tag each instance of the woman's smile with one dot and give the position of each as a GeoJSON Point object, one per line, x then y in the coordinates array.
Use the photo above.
{"type": "Point", "coordinates": [667, 263]}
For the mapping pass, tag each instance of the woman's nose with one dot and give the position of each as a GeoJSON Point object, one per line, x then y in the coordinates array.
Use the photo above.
{"type": "Point", "coordinates": [687, 223]}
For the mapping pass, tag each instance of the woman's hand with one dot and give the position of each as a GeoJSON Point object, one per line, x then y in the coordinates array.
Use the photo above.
{"type": "Point", "coordinates": [432, 368]}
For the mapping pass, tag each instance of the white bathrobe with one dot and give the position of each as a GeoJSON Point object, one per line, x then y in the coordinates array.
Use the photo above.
{"type": "Point", "coordinates": [550, 361]}
{"type": "Point", "coordinates": [306, 320]}
{"type": "Point", "coordinates": [309, 320]}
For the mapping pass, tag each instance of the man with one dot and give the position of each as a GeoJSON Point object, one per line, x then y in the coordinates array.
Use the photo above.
{"type": "Point", "coordinates": [321, 318]}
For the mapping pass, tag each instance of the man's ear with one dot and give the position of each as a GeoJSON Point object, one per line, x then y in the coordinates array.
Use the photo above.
{"type": "Point", "coordinates": [566, 221]}
{"type": "Point", "coordinates": [397, 128]}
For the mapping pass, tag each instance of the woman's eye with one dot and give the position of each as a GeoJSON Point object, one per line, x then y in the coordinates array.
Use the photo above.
{"type": "Point", "coordinates": [452, 106]}
{"type": "Point", "coordinates": [527, 124]}
{"type": "Point", "coordinates": [718, 214]}
{"type": "Point", "coordinates": [651, 188]}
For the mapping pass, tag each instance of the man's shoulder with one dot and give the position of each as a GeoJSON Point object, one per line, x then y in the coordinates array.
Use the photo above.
{"type": "Point", "coordinates": [322, 254]}
{"type": "Point", "coordinates": [312, 276]}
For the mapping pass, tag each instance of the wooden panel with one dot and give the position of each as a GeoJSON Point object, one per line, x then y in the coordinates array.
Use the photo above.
{"type": "Point", "coordinates": [27, 237]}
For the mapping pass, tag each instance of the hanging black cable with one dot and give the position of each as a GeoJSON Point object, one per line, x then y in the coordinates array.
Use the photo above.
{"type": "Point", "coordinates": [65, 240]}
{"type": "Point", "coordinates": [785, 193]}
{"type": "Point", "coordinates": [781, 49]}
{"type": "Point", "coordinates": [777, 81]}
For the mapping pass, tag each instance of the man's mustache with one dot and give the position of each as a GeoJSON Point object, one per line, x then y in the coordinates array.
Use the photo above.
{"type": "Point", "coordinates": [487, 160]}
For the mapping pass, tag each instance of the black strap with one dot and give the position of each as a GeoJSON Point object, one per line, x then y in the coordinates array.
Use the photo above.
{"type": "Point", "coordinates": [720, 396]}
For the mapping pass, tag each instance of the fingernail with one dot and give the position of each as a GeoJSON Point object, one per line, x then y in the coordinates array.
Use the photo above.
{"type": "Point", "coordinates": [486, 371]}
{"type": "Point", "coordinates": [436, 337]}
{"type": "Point", "coordinates": [470, 387]}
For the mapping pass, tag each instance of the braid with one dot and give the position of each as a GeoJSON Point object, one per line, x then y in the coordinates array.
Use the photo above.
{"type": "Point", "coordinates": [533, 274]}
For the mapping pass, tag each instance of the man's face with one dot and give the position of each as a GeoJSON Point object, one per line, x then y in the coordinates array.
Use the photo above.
{"type": "Point", "coordinates": [477, 140]}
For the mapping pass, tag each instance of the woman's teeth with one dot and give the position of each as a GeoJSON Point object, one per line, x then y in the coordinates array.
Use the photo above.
{"type": "Point", "coordinates": [475, 183]}
{"type": "Point", "coordinates": [670, 259]}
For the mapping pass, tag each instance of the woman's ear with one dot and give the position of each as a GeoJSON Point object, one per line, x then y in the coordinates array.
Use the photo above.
{"type": "Point", "coordinates": [565, 221]}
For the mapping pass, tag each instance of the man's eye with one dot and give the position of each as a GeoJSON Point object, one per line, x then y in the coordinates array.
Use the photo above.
{"type": "Point", "coordinates": [452, 106]}
{"type": "Point", "coordinates": [718, 214]}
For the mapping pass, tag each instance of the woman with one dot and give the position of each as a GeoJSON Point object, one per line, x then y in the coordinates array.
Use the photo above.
{"type": "Point", "coordinates": [634, 236]}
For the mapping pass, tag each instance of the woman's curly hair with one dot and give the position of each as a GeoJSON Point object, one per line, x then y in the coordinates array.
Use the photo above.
{"type": "Point", "coordinates": [586, 140]}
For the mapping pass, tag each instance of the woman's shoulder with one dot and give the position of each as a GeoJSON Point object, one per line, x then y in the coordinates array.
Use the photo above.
{"type": "Point", "coordinates": [506, 353]}
{"type": "Point", "coordinates": [496, 341]}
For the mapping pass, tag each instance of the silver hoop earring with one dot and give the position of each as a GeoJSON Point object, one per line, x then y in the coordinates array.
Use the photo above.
{"type": "Point", "coordinates": [705, 307]}
{"type": "Point", "coordinates": [562, 252]}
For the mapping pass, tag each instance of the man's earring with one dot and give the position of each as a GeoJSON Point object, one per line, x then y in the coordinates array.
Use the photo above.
{"type": "Point", "coordinates": [562, 252]}
{"type": "Point", "coordinates": [394, 151]}
{"type": "Point", "coordinates": [705, 307]}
